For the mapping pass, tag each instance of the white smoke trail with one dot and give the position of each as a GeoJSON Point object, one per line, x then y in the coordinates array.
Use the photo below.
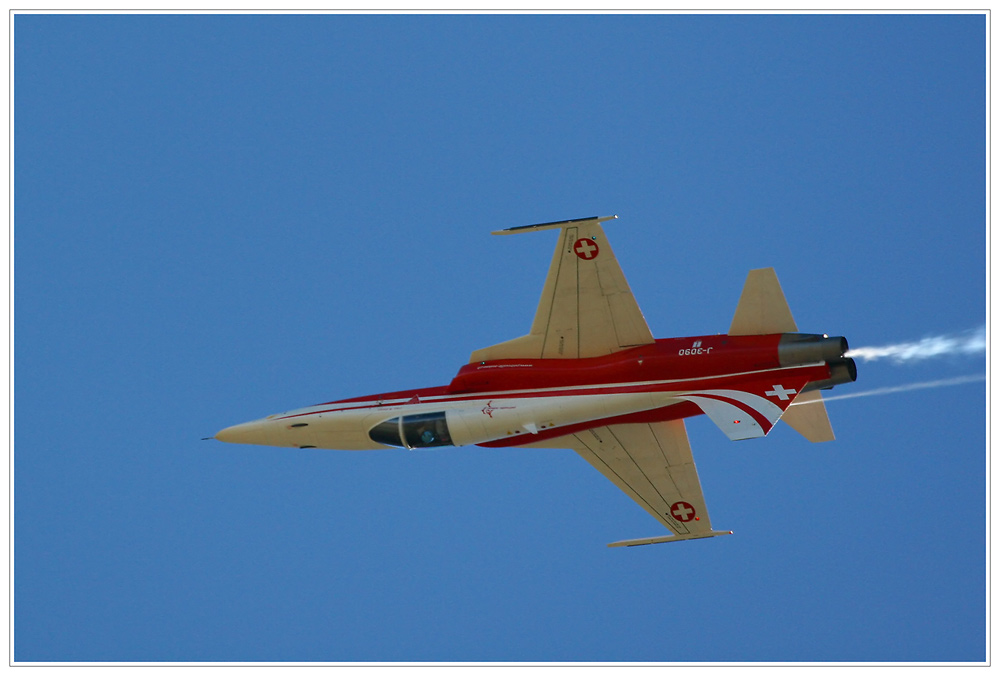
{"type": "Point", "coordinates": [965, 343]}
{"type": "Point", "coordinates": [961, 380]}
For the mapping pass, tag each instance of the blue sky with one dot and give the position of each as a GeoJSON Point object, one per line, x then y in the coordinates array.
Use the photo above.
{"type": "Point", "coordinates": [221, 217]}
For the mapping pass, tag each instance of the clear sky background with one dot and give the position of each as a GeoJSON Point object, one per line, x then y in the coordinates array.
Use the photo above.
{"type": "Point", "coordinates": [221, 217]}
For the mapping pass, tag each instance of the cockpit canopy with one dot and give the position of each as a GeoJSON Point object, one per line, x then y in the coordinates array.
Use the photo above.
{"type": "Point", "coordinates": [423, 430]}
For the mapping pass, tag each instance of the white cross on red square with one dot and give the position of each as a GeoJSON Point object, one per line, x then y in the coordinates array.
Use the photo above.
{"type": "Point", "coordinates": [682, 511]}
{"type": "Point", "coordinates": [585, 249]}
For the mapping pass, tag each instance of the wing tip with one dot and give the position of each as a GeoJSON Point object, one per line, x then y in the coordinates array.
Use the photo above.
{"type": "Point", "coordinates": [669, 538]}
{"type": "Point", "coordinates": [552, 225]}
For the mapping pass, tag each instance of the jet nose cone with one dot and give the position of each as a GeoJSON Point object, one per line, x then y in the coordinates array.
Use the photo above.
{"type": "Point", "coordinates": [255, 432]}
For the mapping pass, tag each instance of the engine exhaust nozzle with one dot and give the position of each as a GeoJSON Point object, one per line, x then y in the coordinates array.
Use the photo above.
{"type": "Point", "coordinates": [841, 371]}
{"type": "Point", "coordinates": [809, 348]}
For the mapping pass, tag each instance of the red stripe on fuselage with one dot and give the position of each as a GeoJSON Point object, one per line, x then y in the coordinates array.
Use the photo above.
{"type": "Point", "coordinates": [671, 364]}
{"type": "Point", "coordinates": [727, 381]}
{"type": "Point", "coordinates": [665, 359]}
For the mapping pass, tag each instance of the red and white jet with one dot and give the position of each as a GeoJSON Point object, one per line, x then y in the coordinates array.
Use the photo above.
{"type": "Point", "coordinates": [591, 377]}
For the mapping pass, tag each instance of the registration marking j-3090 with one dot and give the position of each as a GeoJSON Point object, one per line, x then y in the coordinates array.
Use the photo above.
{"type": "Point", "coordinates": [695, 348]}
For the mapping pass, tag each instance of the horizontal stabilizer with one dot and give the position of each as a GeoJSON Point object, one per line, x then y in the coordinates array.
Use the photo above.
{"type": "Point", "coordinates": [762, 308]}
{"type": "Point", "coordinates": [807, 416]}
{"type": "Point", "coordinates": [669, 538]}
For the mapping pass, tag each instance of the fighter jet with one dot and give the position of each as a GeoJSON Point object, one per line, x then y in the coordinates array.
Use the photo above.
{"type": "Point", "coordinates": [589, 376]}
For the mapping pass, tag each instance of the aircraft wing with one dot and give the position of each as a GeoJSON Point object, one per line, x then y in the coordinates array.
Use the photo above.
{"type": "Point", "coordinates": [653, 465]}
{"type": "Point", "coordinates": [587, 308]}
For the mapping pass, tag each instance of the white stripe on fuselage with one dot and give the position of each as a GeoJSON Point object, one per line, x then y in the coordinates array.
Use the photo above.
{"type": "Point", "coordinates": [621, 388]}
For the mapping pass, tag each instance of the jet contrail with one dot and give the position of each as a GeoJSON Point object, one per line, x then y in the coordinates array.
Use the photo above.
{"type": "Point", "coordinates": [961, 380]}
{"type": "Point", "coordinates": [965, 343]}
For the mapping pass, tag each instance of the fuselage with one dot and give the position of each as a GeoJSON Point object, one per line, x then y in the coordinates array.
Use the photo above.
{"type": "Point", "coordinates": [512, 402]}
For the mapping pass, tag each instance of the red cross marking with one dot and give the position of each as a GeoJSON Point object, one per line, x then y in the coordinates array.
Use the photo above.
{"type": "Point", "coordinates": [682, 511]}
{"type": "Point", "coordinates": [586, 249]}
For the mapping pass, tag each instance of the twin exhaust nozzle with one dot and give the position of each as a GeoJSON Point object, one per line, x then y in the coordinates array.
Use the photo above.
{"type": "Point", "coordinates": [795, 349]}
